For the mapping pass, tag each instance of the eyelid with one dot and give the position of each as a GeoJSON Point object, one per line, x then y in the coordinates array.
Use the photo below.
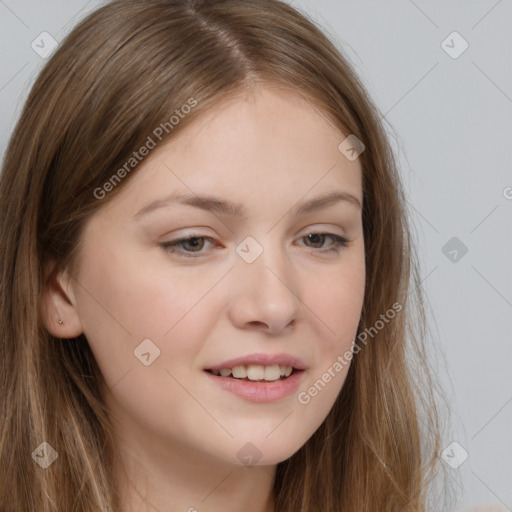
{"type": "Point", "coordinates": [312, 228]}
{"type": "Point", "coordinates": [339, 242]}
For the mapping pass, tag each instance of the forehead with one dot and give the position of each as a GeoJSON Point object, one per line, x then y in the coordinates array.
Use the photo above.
{"type": "Point", "coordinates": [272, 143]}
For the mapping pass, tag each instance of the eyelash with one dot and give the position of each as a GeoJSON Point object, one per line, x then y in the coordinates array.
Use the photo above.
{"type": "Point", "coordinates": [172, 247]}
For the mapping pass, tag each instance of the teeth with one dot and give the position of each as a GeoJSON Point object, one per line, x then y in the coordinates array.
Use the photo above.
{"type": "Point", "coordinates": [239, 372]}
{"type": "Point", "coordinates": [256, 372]}
{"type": "Point", "coordinates": [272, 372]}
{"type": "Point", "coordinates": [285, 370]}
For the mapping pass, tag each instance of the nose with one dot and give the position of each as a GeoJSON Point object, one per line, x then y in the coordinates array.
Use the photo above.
{"type": "Point", "coordinates": [265, 292]}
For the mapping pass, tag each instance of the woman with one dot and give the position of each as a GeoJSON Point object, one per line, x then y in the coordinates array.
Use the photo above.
{"type": "Point", "coordinates": [210, 299]}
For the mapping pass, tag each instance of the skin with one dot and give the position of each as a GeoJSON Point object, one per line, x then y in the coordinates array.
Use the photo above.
{"type": "Point", "coordinates": [179, 433]}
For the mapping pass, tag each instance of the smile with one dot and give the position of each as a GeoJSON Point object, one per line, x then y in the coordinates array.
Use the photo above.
{"type": "Point", "coordinates": [255, 372]}
{"type": "Point", "coordinates": [259, 390]}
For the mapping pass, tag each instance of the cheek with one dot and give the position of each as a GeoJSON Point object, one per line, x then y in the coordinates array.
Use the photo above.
{"type": "Point", "coordinates": [338, 310]}
{"type": "Point", "coordinates": [139, 294]}
{"type": "Point", "coordinates": [335, 299]}
{"type": "Point", "coordinates": [130, 302]}
{"type": "Point", "coordinates": [121, 310]}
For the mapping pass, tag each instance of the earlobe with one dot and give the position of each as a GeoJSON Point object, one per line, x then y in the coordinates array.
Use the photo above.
{"type": "Point", "coordinates": [58, 305]}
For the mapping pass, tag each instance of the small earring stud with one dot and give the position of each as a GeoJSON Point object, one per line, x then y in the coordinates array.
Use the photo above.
{"type": "Point", "coordinates": [61, 321]}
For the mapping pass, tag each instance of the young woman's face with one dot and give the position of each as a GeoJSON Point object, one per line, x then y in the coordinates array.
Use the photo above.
{"type": "Point", "coordinates": [159, 313]}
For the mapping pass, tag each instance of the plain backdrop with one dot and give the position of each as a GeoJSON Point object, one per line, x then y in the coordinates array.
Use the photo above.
{"type": "Point", "coordinates": [441, 74]}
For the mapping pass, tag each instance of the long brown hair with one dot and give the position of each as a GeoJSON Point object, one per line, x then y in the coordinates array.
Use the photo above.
{"type": "Point", "coordinates": [120, 74]}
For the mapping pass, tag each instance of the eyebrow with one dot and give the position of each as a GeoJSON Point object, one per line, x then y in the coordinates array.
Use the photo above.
{"type": "Point", "coordinates": [228, 208]}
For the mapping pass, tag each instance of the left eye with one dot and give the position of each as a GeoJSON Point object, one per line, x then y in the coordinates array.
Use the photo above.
{"type": "Point", "coordinates": [196, 243]}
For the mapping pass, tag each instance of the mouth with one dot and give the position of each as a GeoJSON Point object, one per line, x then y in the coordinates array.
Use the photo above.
{"type": "Point", "coordinates": [256, 373]}
{"type": "Point", "coordinates": [257, 383]}
{"type": "Point", "coordinates": [259, 377]}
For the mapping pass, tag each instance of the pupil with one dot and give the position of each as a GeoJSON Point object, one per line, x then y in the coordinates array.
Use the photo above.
{"type": "Point", "coordinates": [194, 239]}
{"type": "Point", "coordinates": [315, 235]}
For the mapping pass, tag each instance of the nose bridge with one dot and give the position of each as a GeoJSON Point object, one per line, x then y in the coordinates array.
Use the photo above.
{"type": "Point", "coordinates": [265, 281]}
{"type": "Point", "coordinates": [264, 259]}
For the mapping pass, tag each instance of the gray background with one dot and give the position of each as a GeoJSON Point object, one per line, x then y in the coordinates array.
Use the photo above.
{"type": "Point", "coordinates": [450, 120]}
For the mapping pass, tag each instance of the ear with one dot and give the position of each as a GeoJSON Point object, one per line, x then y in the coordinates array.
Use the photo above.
{"type": "Point", "coordinates": [58, 302]}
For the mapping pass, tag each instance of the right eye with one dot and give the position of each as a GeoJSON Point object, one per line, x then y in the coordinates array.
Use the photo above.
{"type": "Point", "coordinates": [196, 242]}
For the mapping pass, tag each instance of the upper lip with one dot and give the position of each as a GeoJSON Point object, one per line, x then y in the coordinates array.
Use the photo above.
{"type": "Point", "coordinates": [261, 359]}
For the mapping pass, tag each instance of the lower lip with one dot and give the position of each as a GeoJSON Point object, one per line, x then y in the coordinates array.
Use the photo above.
{"type": "Point", "coordinates": [260, 391]}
